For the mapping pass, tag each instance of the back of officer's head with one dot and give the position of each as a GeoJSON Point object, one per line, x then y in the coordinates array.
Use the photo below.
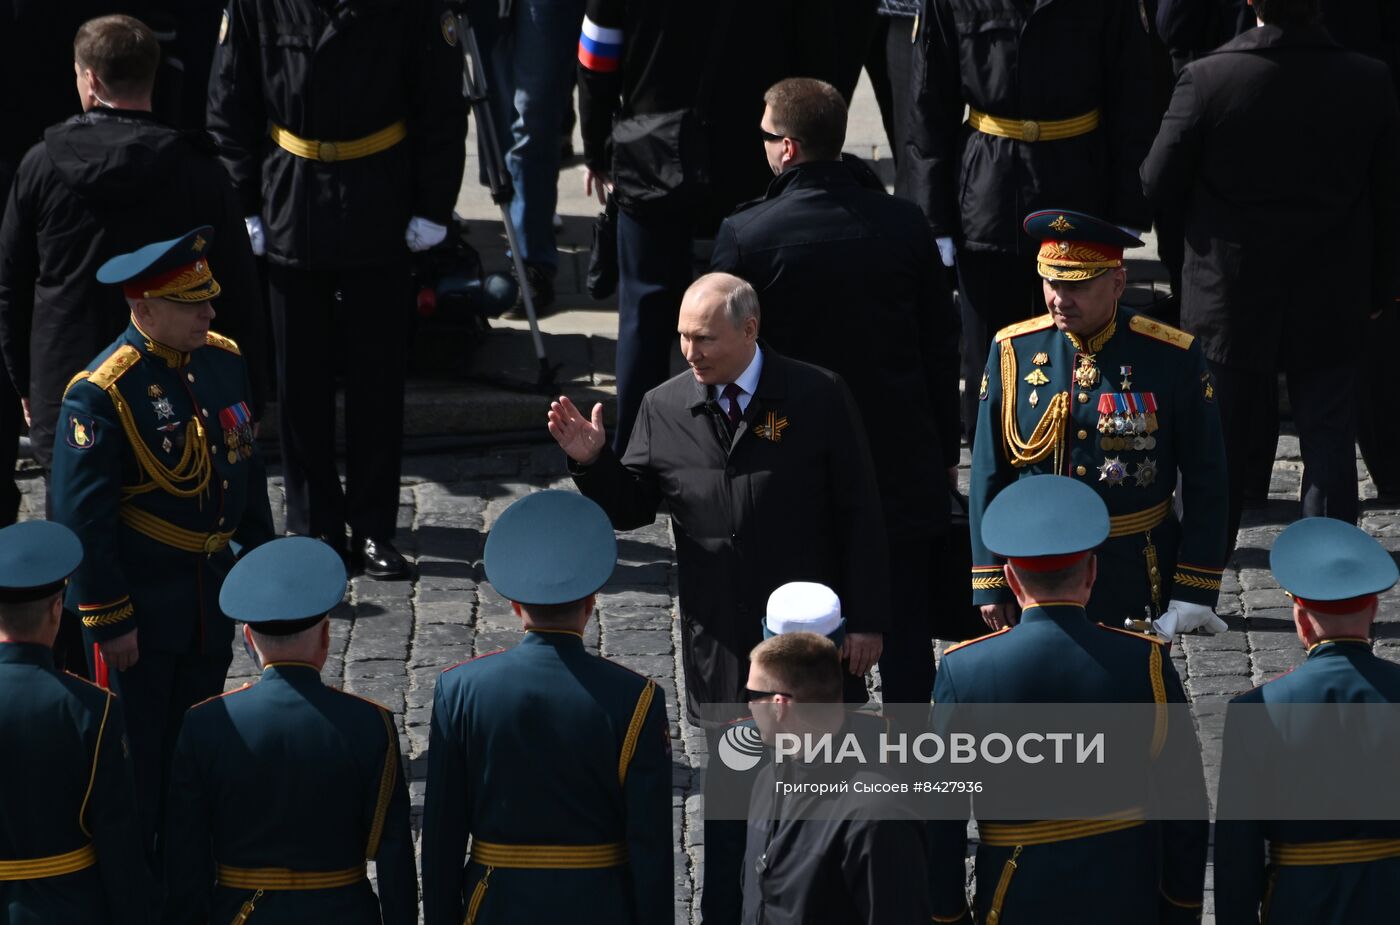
{"type": "Point", "coordinates": [811, 112]}
{"type": "Point", "coordinates": [805, 666]}
{"type": "Point", "coordinates": [1061, 584]}
{"type": "Point", "coordinates": [31, 621]}
{"type": "Point", "coordinates": [1287, 12]}
{"type": "Point", "coordinates": [121, 51]}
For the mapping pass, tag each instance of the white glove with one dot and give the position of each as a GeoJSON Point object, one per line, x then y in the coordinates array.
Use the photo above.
{"type": "Point", "coordinates": [1181, 617]}
{"type": "Point", "coordinates": [946, 250]}
{"type": "Point", "coordinates": [256, 239]}
{"type": "Point", "coordinates": [423, 234]}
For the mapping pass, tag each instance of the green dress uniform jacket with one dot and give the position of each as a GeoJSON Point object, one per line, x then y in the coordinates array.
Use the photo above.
{"type": "Point", "coordinates": [1126, 412]}
{"type": "Point", "coordinates": [280, 792]}
{"type": "Point", "coordinates": [68, 832]}
{"type": "Point", "coordinates": [1247, 890]}
{"type": "Point", "coordinates": [557, 763]}
{"type": "Point", "coordinates": [156, 471]}
{"type": "Point", "coordinates": [1150, 872]}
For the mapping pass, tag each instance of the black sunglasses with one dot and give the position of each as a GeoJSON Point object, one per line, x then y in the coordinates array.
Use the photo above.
{"type": "Point", "coordinates": [773, 136]}
{"type": "Point", "coordinates": [751, 695]}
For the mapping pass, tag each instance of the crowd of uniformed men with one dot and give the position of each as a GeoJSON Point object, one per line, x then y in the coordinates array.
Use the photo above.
{"type": "Point", "coordinates": [807, 457]}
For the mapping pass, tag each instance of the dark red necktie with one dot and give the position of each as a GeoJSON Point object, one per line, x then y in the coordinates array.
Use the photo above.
{"type": "Point", "coordinates": [733, 412]}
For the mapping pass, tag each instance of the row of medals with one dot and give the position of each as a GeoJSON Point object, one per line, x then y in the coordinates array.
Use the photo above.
{"type": "Point", "coordinates": [1128, 431]}
{"type": "Point", "coordinates": [1121, 431]}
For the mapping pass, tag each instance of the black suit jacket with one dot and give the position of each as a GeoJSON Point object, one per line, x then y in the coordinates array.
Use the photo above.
{"type": "Point", "coordinates": [1290, 225]}
{"type": "Point", "coordinates": [849, 280]}
{"type": "Point", "coordinates": [791, 497]}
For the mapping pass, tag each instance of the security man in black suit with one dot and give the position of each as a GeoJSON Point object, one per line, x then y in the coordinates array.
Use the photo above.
{"type": "Point", "coordinates": [1059, 115]}
{"type": "Point", "coordinates": [1262, 191]}
{"type": "Point", "coordinates": [584, 838]}
{"type": "Point", "coordinates": [323, 767]}
{"type": "Point", "coordinates": [889, 330]}
{"type": "Point", "coordinates": [343, 126]}
{"type": "Point", "coordinates": [764, 465]}
{"type": "Point", "coordinates": [69, 838]}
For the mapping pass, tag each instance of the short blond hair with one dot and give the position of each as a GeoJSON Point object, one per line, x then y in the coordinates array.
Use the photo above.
{"type": "Point", "coordinates": [806, 665]}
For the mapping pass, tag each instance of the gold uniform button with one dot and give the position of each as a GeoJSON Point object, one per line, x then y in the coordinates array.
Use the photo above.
{"type": "Point", "coordinates": [205, 411]}
{"type": "Point", "coordinates": [225, 484]}
{"type": "Point", "coordinates": [189, 376]}
{"type": "Point", "coordinates": [1083, 397]}
{"type": "Point", "coordinates": [1083, 435]}
{"type": "Point", "coordinates": [221, 521]}
{"type": "Point", "coordinates": [1080, 470]}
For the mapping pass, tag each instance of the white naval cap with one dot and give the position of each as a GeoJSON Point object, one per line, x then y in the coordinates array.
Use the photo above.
{"type": "Point", "coordinates": [803, 606]}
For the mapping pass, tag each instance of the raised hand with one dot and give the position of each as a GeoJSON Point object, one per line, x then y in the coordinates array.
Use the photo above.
{"type": "Point", "coordinates": [580, 438]}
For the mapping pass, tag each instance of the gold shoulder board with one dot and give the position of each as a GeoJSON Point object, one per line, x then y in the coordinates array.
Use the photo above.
{"type": "Point", "coordinates": [1025, 327]}
{"type": "Point", "coordinates": [74, 381]}
{"type": "Point", "coordinates": [222, 342]}
{"type": "Point", "coordinates": [1151, 327]}
{"type": "Point", "coordinates": [115, 366]}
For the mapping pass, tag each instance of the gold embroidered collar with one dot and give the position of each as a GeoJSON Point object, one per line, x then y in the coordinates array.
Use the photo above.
{"type": "Point", "coordinates": [173, 358]}
{"type": "Point", "coordinates": [1097, 341]}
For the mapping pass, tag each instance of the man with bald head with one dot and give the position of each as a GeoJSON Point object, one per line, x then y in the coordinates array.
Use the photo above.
{"type": "Point", "coordinates": [764, 467]}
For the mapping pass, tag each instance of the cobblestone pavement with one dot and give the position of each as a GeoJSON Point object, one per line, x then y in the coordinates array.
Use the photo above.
{"type": "Point", "coordinates": [392, 639]}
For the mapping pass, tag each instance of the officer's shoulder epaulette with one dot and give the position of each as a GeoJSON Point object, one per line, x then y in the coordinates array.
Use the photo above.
{"type": "Point", "coordinates": [475, 658]}
{"type": "Point", "coordinates": [631, 671]}
{"type": "Point", "coordinates": [1025, 327]}
{"type": "Point", "coordinates": [247, 685]}
{"type": "Point", "coordinates": [93, 684]}
{"type": "Point", "coordinates": [374, 703]}
{"type": "Point", "coordinates": [223, 343]}
{"type": "Point", "coordinates": [1151, 327]}
{"type": "Point", "coordinates": [77, 377]}
{"type": "Point", "coordinates": [1134, 634]}
{"type": "Point", "coordinates": [114, 367]}
{"type": "Point", "coordinates": [967, 642]}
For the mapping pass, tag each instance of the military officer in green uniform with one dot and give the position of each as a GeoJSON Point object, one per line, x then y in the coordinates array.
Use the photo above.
{"type": "Point", "coordinates": [556, 763]}
{"type": "Point", "coordinates": [281, 790]}
{"type": "Point", "coordinates": [155, 469]}
{"type": "Point", "coordinates": [1116, 400]}
{"type": "Point", "coordinates": [69, 841]}
{"type": "Point", "coordinates": [1116, 868]}
{"type": "Point", "coordinates": [1313, 872]}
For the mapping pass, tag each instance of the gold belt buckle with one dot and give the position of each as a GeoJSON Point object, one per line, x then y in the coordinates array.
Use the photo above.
{"type": "Point", "coordinates": [328, 152]}
{"type": "Point", "coordinates": [1030, 130]}
{"type": "Point", "coordinates": [212, 544]}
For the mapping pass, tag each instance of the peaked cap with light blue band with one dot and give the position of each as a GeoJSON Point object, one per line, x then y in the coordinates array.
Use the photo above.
{"type": "Point", "coordinates": [36, 558]}
{"type": "Point", "coordinates": [1322, 559]}
{"type": "Point", "coordinates": [284, 586]}
{"type": "Point", "coordinates": [804, 607]}
{"type": "Point", "coordinates": [177, 269]}
{"type": "Point", "coordinates": [550, 547]}
{"type": "Point", "coordinates": [1044, 515]}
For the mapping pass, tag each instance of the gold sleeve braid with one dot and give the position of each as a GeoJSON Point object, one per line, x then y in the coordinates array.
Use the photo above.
{"type": "Point", "coordinates": [1049, 434]}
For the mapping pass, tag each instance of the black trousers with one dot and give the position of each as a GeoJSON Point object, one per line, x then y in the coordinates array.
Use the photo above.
{"type": "Point", "coordinates": [995, 289]}
{"type": "Point", "coordinates": [11, 420]}
{"type": "Point", "coordinates": [1323, 411]}
{"type": "Point", "coordinates": [855, 23]}
{"type": "Point", "coordinates": [655, 268]}
{"type": "Point", "coordinates": [155, 693]}
{"type": "Point", "coordinates": [353, 322]}
{"type": "Point", "coordinates": [1378, 428]}
{"type": "Point", "coordinates": [889, 63]}
{"type": "Point", "coordinates": [906, 661]}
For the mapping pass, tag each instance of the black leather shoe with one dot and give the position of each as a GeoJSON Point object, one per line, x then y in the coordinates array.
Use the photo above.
{"type": "Point", "coordinates": [381, 560]}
